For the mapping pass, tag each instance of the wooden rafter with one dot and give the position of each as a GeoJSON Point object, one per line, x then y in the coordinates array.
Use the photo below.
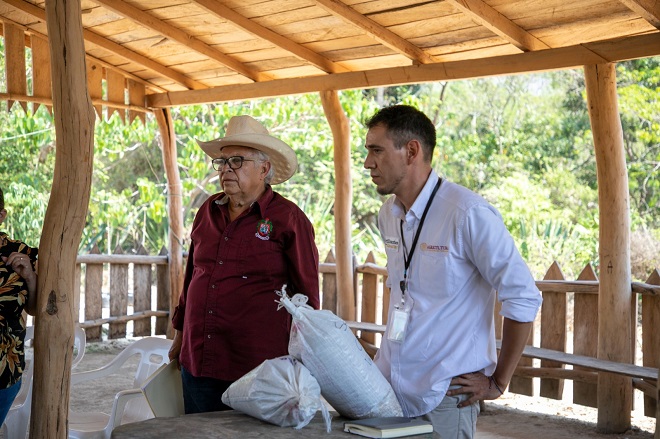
{"type": "Point", "coordinates": [486, 16]}
{"type": "Point", "coordinates": [560, 58]}
{"type": "Point", "coordinates": [149, 21]}
{"type": "Point", "coordinates": [115, 48]}
{"type": "Point", "coordinates": [648, 9]}
{"type": "Point", "coordinates": [259, 31]}
{"type": "Point", "coordinates": [378, 32]}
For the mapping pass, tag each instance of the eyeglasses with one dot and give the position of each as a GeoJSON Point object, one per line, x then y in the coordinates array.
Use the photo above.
{"type": "Point", "coordinates": [234, 162]}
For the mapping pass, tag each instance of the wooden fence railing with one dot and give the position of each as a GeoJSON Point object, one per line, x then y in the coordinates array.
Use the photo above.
{"type": "Point", "coordinates": [124, 280]}
{"type": "Point", "coordinates": [568, 321]}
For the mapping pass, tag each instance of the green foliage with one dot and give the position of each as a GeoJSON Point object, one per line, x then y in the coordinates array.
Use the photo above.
{"type": "Point", "coordinates": [523, 142]}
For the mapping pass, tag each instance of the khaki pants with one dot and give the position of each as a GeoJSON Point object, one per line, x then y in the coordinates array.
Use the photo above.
{"type": "Point", "coordinates": [450, 422]}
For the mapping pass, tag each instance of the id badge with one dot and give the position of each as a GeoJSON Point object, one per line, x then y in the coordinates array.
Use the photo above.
{"type": "Point", "coordinates": [396, 330]}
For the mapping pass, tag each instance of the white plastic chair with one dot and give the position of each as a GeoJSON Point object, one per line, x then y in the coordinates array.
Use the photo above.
{"type": "Point", "coordinates": [129, 405]}
{"type": "Point", "coordinates": [17, 422]}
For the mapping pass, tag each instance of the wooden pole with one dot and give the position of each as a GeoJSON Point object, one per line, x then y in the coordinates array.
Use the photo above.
{"type": "Point", "coordinates": [174, 207]}
{"type": "Point", "coordinates": [343, 202]}
{"type": "Point", "coordinates": [64, 221]}
{"type": "Point", "coordinates": [615, 334]}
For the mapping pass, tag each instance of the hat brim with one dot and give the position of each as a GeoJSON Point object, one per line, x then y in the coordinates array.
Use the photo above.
{"type": "Point", "coordinates": [281, 156]}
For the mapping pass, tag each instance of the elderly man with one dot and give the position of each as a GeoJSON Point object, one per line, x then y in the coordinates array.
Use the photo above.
{"type": "Point", "coordinates": [247, 242]}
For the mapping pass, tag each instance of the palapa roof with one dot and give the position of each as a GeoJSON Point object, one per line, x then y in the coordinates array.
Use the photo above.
{"type": "Point", "coordinates": [200, 51]}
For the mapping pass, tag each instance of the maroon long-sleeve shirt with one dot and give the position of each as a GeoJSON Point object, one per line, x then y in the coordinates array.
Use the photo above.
{"type": "Point", "coordinates": [227, 311]}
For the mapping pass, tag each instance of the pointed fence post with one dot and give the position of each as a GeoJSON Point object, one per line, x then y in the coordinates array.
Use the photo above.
{"type": "Point", "coordinates": [651, 341]}
{"type": "Point", "coordinates": [163, 294]}
{"type": "Point", "coordinates": [329, 286]}
{"type": "Point", "coordinates": [118, 296]}
{"type": "Point", "coordinates": [93, 296]}
{"type": "Point", "coordinates": [585, 337]}
{"type": "Point", "coordinates": [369, 298]}
{"type": "Point", "coordinates": [553, 332]}
{"type": "Point", "coordinates": [142, 295]}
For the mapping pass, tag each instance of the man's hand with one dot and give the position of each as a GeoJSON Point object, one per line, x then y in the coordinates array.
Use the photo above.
{"type": "Point", "coordinates": [175, 350]}
{"type": "Point", "coordinates": [478, 385]}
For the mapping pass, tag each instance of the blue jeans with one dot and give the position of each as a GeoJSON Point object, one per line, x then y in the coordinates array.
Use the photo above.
{"type": "Point", "coordinates": [7, 397]}
{"type": "Point", "coordinates": [202, 394]}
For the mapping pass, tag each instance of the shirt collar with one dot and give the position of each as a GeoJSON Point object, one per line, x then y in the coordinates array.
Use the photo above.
{"type": "Point", "coordinates": [417, 209]}
{"type": "Point", "coordinates": [259, 204]}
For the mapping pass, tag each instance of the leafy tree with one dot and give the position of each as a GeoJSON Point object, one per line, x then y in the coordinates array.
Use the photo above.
{"type": "Point", "coordinates": [523, 142]}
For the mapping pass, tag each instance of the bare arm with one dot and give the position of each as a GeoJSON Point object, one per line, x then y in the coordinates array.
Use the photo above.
{"type": "Point", "coordinates": [175, 350]}
{"type": "Point", "coordinates": [514, 338]}
{"type": "Point", "coordinates": [22, 265]}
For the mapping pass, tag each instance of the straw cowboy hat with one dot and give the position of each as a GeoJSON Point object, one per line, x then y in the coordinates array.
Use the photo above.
{"type": "Point", "coordinates": [246, 131]}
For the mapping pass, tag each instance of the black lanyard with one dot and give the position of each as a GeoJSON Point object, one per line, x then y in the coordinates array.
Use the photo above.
{"type": "Point", "coordinates": [406, 260]}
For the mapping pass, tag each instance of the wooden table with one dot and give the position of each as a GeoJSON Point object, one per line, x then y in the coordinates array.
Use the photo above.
{"type": "Point", "coordinates": [231, 425]}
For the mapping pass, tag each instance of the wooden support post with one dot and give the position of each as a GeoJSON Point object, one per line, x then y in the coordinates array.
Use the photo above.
{"type": "Point", "coordinates": [174, 207]}
{"type": "Point", "coordinates": [343, 202]}
{"type": "Point", "coordinates": [64, 221]}
{"type": "Point", "coordinates": [615, 335]}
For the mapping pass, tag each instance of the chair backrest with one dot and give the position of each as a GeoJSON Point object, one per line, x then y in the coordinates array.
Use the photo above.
{"type": "Point", "coordinates": [153, 353]}
{"type": "Point", "coordinates": [79, 344]}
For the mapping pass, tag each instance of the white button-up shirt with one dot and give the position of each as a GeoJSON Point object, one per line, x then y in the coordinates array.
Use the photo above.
{"type": "Point", "coordinates": [464, 255]}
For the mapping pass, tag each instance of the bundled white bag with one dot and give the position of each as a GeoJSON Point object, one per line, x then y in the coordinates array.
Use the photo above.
{"type": "Point", "coordinates": [349, 379]}
{"type": "Point", "coordinates": [280, 391]}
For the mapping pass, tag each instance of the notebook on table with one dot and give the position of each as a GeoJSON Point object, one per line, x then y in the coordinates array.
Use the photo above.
{"type": "Point", "coordinates": [388, 427]}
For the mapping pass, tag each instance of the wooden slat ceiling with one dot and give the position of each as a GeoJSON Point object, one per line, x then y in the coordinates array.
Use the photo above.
{"type": "Point", "coordinates": [214, 50]}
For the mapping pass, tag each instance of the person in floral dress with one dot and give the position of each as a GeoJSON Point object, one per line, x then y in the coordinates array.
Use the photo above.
{"type": "Point", "coordinates": [18, 293]}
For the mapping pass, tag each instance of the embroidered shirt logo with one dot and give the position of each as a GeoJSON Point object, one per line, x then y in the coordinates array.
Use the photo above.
{"type": "Point", "coordinates": [434, 248]}
{"type": "Point", "coordinates": [264, 229]}
{"type": "Point", "coordinates": [392, 243]}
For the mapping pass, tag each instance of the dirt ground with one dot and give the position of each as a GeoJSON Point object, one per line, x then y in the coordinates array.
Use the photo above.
{"type": "Point", "coordinates": [510, 417]}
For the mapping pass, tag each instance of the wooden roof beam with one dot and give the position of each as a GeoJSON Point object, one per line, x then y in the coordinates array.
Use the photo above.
{"type": "Point", "coordinates": [641, 46]}
{"type": "Point", "coordinates": [648, 9]}
{"type": "Point", "coordinates": [115, 48]}
{"type": "Point", "coordinates": [378, 32]}
{"type": "Point", "coordinates": [486, 16]}
{"type": "Point", "coordinates": [150, 22]}
{"type": "Point", "coordinates": [259, 31]}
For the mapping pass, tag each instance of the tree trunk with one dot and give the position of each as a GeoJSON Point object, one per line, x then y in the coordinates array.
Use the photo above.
{"type": "Point", "coordinates": [174, 207]}
{"type": "Point", "coordinates": [64, 221]}
{"type": "Point", "coordinates": [615, 331]}
{"type": "Point", "coordinates": [343, 201]}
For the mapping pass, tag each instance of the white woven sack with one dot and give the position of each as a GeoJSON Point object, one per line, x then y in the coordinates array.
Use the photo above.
{"type": "Point", "coordinates": [280, 391]}
{"type": "Point", "coordinates": [349, 379]}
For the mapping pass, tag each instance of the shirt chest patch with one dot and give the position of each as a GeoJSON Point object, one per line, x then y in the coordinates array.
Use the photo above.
{"type": "Point", "coordinates": [264, 229]}
{"type": "Point", "coordinates": [433, 248]}
{"type": "Point", "coordinates": [392, 243]}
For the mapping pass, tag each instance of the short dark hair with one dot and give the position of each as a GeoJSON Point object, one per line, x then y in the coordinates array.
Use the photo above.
{"type": "Point", "coordinates": [2, 200]}
{"type": "Point", "coordinates": [404, 123]}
